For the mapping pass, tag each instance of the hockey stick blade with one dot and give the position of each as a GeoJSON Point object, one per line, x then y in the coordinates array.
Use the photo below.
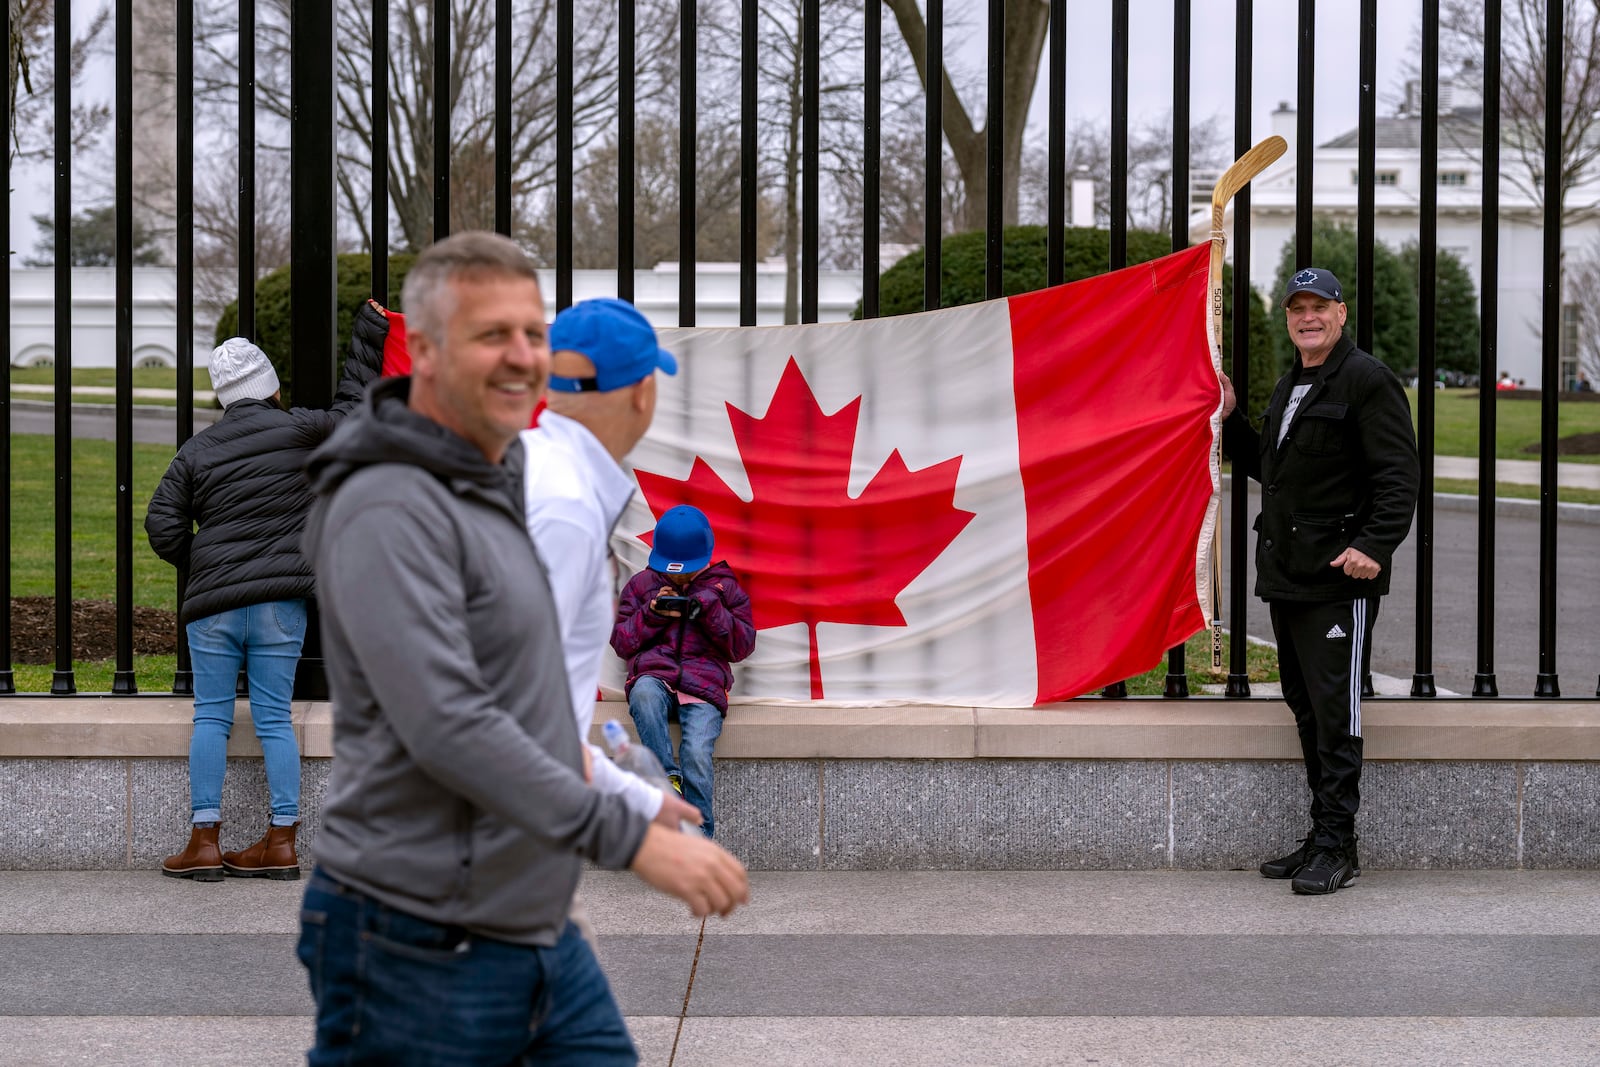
{"type": "Point", "coordinates": [1246, 167]}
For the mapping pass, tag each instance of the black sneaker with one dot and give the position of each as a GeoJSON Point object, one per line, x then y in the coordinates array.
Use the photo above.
{"type": "Point", "coordinates": [1288, 866]}
{"type": "Point", "coordinates": [1329, 869]}
{"type": "Point", "coordinates": [1355, 860]}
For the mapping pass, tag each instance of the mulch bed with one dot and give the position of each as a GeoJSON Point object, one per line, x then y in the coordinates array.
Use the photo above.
{"type": "Point", "coordinates": [1578, 444]}
{"type": "Point", "coordinates": [94, 630]}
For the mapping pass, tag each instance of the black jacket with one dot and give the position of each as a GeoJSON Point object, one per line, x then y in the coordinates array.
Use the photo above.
{"type": "Point", "coordinates": [241, 480]}
{"type": "Point", "coordinates": [1345, 476]}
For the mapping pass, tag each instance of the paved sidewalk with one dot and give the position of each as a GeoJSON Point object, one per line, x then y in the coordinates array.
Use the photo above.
{"type": "Point", "coordinates": [1519, 471]}
{"type": "Point", "coordinates": [930, 968]}
{"type": "Point", "coordinates": [201, 396]}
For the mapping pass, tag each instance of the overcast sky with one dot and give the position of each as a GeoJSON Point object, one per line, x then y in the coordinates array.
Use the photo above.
{"type": "Point", "coordinates": [1089, 69]}
{"type": "Point", "coordinates": [1273, 70]}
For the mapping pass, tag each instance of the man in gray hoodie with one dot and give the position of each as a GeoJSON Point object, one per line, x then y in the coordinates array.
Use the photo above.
{"type": "Point", "coordinates": [456, 817]}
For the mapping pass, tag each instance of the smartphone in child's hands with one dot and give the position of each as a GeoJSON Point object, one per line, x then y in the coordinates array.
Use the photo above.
{"type": "Point", "coordinates": [681, 604]}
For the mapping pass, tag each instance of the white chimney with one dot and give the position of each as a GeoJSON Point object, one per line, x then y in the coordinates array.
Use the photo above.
{"type": "Point", "coordinates": [1083, 202]}
{"type": "Point", "coordinates": [1283, 124]}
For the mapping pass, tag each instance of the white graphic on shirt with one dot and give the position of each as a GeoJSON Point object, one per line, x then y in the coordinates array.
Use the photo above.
{"type": "Point", "coordinates": [1298, 394]}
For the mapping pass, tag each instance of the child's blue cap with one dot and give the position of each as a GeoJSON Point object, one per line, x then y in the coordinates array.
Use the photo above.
{"type": "Point", "coordinates": [682, 543]}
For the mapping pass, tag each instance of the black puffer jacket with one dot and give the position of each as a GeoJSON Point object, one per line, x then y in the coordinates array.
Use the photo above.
{"type": "Point", "coordinates": [241, 480]}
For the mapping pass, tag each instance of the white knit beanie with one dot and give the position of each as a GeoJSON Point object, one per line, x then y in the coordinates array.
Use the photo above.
{"type": "Point", "coordinates": [241, 371]}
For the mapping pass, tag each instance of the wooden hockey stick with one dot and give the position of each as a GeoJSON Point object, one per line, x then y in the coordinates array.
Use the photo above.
{"type": "Point", "coordinates": [1236, 177]}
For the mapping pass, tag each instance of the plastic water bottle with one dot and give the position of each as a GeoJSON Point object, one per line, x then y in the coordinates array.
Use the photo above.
{"type": "Point", "coordinates": [641, 762]}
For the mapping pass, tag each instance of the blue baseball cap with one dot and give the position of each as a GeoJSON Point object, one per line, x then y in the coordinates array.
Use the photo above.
{"type": "Point", "coordinates": [682, 543]}
{"type": "Point", "coordinates": [1313, 280]}
{"type": "Point", "coordinates": [616, 338]}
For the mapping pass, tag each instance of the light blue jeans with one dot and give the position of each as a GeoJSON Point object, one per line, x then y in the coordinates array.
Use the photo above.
{"type": "Point", "coordinates": [265, 639]}
{"type": "Point", "coordinates": [652, 703]}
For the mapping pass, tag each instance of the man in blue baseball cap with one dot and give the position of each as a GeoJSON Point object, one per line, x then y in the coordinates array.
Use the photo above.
{"type": "Point", "coordinates": [603, 363]}
{"type": "Point", "coordinates": [1336, 457]}
{"type": "Point", "coordinates": [681, 622]}
{"type": "Point", "coordinates": [617, 341]}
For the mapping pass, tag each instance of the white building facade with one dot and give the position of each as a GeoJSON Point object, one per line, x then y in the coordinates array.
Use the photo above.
{"type": "Point", "coordinates": [1397, 197]}
{"type": "Point", "coordinates": [155, 331]}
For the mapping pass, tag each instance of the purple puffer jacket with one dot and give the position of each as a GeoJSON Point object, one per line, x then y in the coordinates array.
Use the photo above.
{"type": "Point", "coordinates": [691, 655]}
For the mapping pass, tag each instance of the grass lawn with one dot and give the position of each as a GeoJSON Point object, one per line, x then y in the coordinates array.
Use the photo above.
{"type": "Point", "coordinates": [1455, 424]}
{"type": "Point", "coordinates": [151, 674]}
{"type": "Point", "coordinates": [1261, 665]}
{"type": "Point", "coordinates": [1516, 491]}
{"type": "Point", "coordinates": [143, 377]}
{"type": "Point", "coordinates": [94, 528]}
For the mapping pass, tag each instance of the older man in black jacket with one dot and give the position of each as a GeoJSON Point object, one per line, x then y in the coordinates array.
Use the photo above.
{"type": "Point", "coordinates": [1337, 461]}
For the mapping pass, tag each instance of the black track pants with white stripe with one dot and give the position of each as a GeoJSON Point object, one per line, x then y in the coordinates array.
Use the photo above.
{"type": "Point", "coordinates": [1323, 652]}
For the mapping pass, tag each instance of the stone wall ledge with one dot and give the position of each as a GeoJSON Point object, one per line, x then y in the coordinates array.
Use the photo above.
{"type": "Point", "coordinates": [1201, 728]}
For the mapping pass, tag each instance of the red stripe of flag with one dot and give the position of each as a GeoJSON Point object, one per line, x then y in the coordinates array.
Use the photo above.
{"type": "Point", "coordinates": [1114, 390]}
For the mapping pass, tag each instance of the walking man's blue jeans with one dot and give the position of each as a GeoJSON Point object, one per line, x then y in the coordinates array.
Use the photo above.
{"type": "Point", "coordinates": [265, 639]}
{"type": "Point", "coordinates": [653, 704]}
{"type": "Point", "coordinates": [394, 989]}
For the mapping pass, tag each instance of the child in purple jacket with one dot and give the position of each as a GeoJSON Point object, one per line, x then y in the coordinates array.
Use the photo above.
{"type": "Point", "coordinates": [680, 623]}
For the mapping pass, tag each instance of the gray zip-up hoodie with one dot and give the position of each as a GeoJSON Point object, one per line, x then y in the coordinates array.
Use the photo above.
{"type": "Point", "coordinates": [457, 790]}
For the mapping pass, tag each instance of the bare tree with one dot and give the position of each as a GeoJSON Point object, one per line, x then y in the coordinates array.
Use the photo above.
{"type": "Point", "coordinates": [32, 66]}
{"type": "Point", "coordinates": [902, 195]}
{"type": "Point", "coordinates": [216, 226]}
{"type": "Point", "coordinates": [1150, 192]}
{"type": "Point", "coordinates": [1026, 24]}
{"type": "Point", "coordinates": [655, 200]}
{"type": "Point", "coordinates": [780, 68]}
{"type": "Point", "coordinates": [412, 108]}
{"type": "Point", "coordinates": [1522, 92]}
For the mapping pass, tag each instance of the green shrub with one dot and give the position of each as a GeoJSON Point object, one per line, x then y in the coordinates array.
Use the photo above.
{"type": "Point", "coordinates": [1085, 253]}
{"type": "Point", "coordinates": [272, 311]}
{"type": "Point", "coordinates": [1023, 265]}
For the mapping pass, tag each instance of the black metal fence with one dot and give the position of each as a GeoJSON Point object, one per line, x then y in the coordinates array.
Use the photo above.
{"type": "Point", "coordinates": [314, 160]}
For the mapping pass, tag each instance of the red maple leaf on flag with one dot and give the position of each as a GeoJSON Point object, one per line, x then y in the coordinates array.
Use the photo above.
{"type": "Point", "coordinates": [807, 550]}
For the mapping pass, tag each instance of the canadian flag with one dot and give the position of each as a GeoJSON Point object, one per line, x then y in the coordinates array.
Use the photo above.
{"type": "Point", "coordinates": [997, 505]}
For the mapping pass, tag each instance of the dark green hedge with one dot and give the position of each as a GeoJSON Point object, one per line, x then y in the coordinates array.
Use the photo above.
{"type": "Point", "coordinates": [1023, 265]}
{"type": "Point", "coordinates": [272, 310]}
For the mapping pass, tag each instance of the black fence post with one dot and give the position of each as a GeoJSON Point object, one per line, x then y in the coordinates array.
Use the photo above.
{"type": "Point", "coordinates": [7, 677]}
{"type": "Point", "coordinates": [313, 301]}
{"type": "Point", "coordinates": [62, 682]}
{"type": "Point", "coordinates": [441, 119]}
{"type": "Point", "coordinates": [183, 202]}
{"type": "Point", "coordinates": [122, 679]}
{"type": "Point", "coordinates": [1177, 685]}
{"type": "Point", "coordinates": [1548, 683]}
{"type": "Point", "coordinates": [1422, 683]}
{"type": "Point", "coordinates": [1119, 180]}
{"type": "Point", "coordinates": [1238, 685]}
{"type": "Point", "coordinates": [687, 137]}
{"type": "Point", "coordinates": [933, 159]}
{"type": "Point", "coordinates": [1483, 681]}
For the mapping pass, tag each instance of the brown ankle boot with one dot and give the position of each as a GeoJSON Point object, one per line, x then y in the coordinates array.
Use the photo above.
{"type": "Point", "coordinates": [271, 857]}
{"type": "Point", "coordinates": [202, 860]}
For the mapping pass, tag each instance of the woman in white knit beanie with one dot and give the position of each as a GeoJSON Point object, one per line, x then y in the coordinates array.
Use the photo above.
{"type": "Point", "coordinates": [230, 510]}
